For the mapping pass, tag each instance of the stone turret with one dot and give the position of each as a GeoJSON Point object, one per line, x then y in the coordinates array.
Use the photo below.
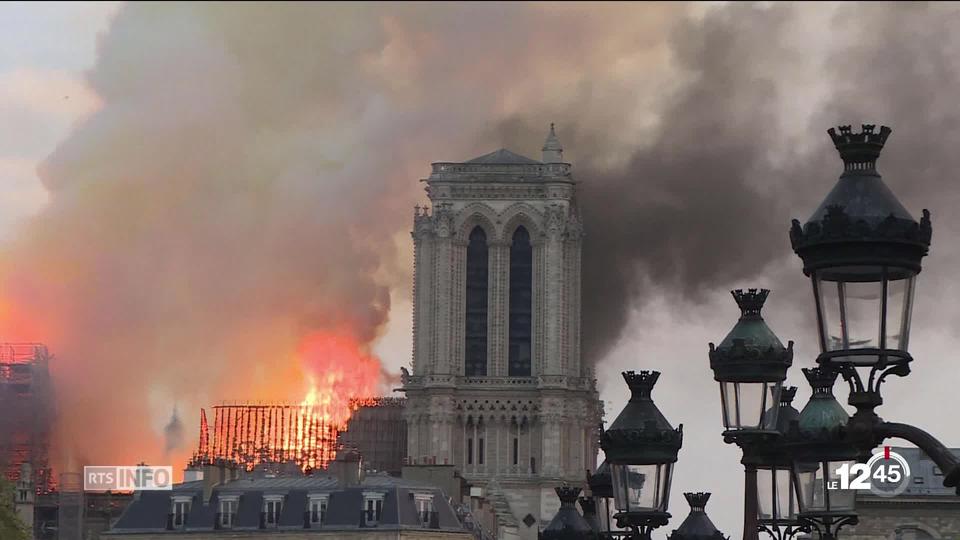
{"type": "Point", "coordinates": [552, 151]}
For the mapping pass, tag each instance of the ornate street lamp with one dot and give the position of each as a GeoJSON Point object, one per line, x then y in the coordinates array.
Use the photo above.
{"type": "Point", "coordinates": [776, 494]}
{"type": "Point", "coordinates": [641, 447]}
{"type": "Point", "coordinates": [697, 526]}
{"type": "Point", "coordinates": [601, 488]}
{"type": "Point", "coordinates": [751, 364]}
{"type": "Point", "coordinates": [568, 524]}
{"type": "Point", "coordinates": [820, 449]}
{"type": "Point", "coordinates": [862, 251]}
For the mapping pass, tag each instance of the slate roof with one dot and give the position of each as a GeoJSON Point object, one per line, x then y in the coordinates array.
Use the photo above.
{"type": "Point", "coordinates": [504, 157]}
{"type": "Point", "coordinates": [149, 511]}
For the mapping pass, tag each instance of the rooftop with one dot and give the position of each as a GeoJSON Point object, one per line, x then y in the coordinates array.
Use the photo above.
{"type": "Point", "coordinates": [504, 156]}
{"type": "Point", "coordinates": [505, 165]}
{"type": "Point", "coordinates": [400, 506]}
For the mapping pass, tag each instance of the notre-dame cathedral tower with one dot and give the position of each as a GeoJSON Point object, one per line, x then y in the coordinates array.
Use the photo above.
{"type": "Point", "coordinates": [498, 387]}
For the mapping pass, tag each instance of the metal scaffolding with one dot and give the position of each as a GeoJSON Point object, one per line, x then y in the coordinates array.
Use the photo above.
{"type": "Point", "coordinates": [248, 434]}
{"type": "Point", "coordinates": [27, 404]}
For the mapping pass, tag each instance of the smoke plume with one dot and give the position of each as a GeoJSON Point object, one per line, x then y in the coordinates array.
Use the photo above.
{"type": "Point", "coordinates": [244, 184]}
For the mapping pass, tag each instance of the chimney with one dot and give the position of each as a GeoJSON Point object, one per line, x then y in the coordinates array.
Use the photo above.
{"type": "Point", "coordinates": [215, 474]}
{"type": "Point", "coordinates": [347, 468]}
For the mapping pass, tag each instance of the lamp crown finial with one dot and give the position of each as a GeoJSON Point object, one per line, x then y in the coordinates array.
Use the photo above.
{"type": "Point", "coordinates": [859, 151]}
{"type": "Point", "coordinates": [820, 379]}
{"type": "Point", "coordinates": [568, 494]}
{"type": "Point", "coordinates": [750, 301]}
{"type": "Point", "coordinates": [641, 383]}
{"type": "Point", "coordinates": [787, 394]}
{"type": "Point", "coordinates": [697, 501]}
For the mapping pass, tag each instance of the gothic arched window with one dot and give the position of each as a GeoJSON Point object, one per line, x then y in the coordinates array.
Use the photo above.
{"type": "Point", "coordinates": [475, 362]}
{"type": "Point", "coordinates": [521, 303]}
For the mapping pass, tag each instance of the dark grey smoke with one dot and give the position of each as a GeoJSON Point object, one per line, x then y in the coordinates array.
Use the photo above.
{"type": "Point", "coordinates": [706, 201]}
{"type": "Point", "coordinates": [701, 204]}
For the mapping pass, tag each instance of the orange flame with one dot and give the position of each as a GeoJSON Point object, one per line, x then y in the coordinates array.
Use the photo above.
{"type": "Point", "coordinates": [340, 374]}
{"type": "Point", "coordinates": [338, 370]}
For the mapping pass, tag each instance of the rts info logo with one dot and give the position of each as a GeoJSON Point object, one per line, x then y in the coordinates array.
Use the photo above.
{"type": "Point", "coordinates": [125, 478]}
{"type": "Point", "coordinates": [886, 474]}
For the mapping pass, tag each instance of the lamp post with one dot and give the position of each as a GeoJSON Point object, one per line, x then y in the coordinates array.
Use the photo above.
{"type": "Point", "coordinates": [751, 364]}
{"type": "Point", "coordinates": [641, 447]}
{"type": "Point", "coordinates": [776, 493]}
{"type": "Point", "coordinates": [862, 252]}
{"type": "Point", "coordinates": [819, 447]}
{"type": "Point", "coordinates": [601, 488]}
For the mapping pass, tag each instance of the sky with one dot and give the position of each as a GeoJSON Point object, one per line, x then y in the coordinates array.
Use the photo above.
{"type": "Point", "coordinates": [188, 193]}
{"type": "Point", "coordinates": [45, 49]}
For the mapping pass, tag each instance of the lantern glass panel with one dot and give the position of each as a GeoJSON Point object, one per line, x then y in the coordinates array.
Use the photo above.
{"type": "Point", "coordinates": [604, 513]}
{"type": "Point", "coordinates": [750, 405]}
{"type": "Point", "coordinates": [864, 307]}
{"type": "Point", "coordinates": [819, 487]}
{"type": "Point", "coordinates": [641, 488]}
{"type": "Point", "coordinates": [899, 309]}
{"type": "Point", "coordinates": [776, 494]}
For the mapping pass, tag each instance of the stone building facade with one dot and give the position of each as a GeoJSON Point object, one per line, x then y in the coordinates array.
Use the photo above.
{"type": "Point", "coordinates": [498, 387]}
{"type": "Point", "coordinates": [298, 535]}
{"type": "Point", "coordinates": [378, 432]}
{"type": "Point", "coordinates": [925, 510]}
{"type": "Point", "coordinates": [227, 502]}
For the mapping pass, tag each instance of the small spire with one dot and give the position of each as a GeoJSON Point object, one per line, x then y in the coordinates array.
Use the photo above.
{"type": "Point", "coordinates": [552, 150]}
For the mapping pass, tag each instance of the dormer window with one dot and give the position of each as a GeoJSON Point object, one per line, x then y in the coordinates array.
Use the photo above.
{"type": "Point", "coordinates": [424, 505]}
{"type": "Point", "coordinates": [272, 506]}
{"type": "Point", "coordinates": [317, 509]}
{"type": "Point", "coordinates": [228, 511]}
{"type": "Point", "coordinates": [180, 510]}
{"type": "Point", "coordinates": [372, 508]}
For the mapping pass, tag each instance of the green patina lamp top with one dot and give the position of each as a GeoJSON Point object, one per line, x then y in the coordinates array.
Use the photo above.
{"type": "Point", "coordinates": [823, 412]}
{"type": "Point", "coordinates": [751, 327]}
{"type": "Point", "coordinates": [750, 352]}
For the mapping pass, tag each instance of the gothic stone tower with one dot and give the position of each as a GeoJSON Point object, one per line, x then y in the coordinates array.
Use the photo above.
{"type": "Point", "coordinates": [498, 388]}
